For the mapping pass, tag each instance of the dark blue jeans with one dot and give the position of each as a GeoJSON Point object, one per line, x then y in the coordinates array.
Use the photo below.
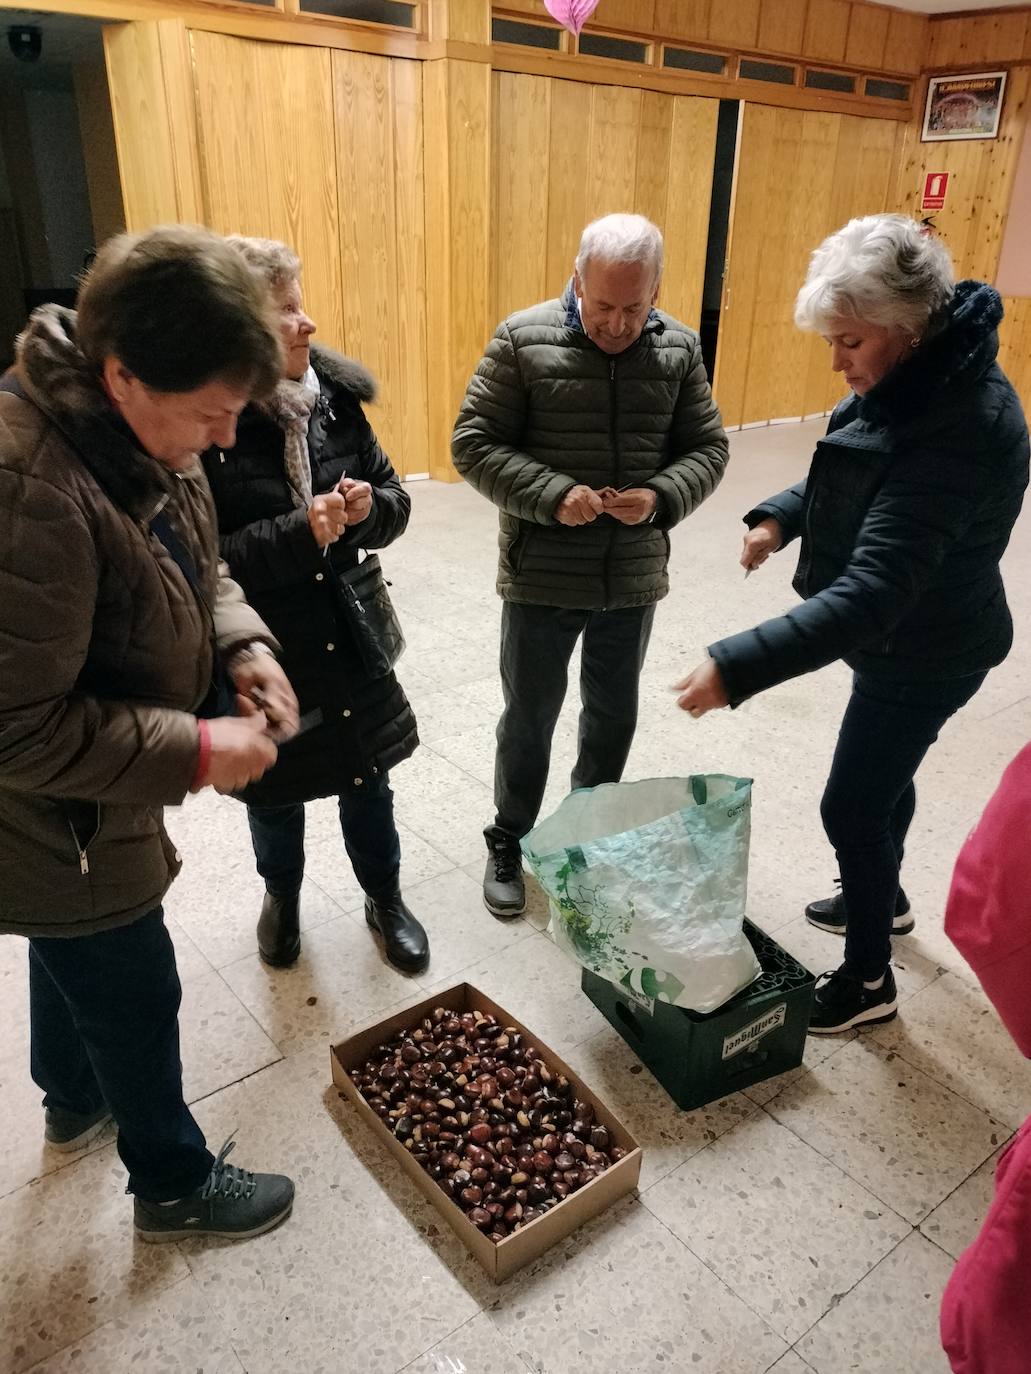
{"type": "Point", "coordinates": [537, 643]}
{"type": "Point", "coordinates": [870, 798]}
{"type": "Point", "coordinates": [104, 1013]}
{"type": "Point", "coordinates": [370, 838]}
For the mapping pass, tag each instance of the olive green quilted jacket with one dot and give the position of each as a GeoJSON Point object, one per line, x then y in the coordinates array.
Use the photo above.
{"type": "Point", "coordinates": [547, 409]}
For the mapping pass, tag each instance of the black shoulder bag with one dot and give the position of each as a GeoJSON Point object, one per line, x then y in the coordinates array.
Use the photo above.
{"type": "Point", "coordinates": [369, 612]}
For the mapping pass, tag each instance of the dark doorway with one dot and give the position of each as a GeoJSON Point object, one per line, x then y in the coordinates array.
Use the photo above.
{"type": "Point", "coordinates": [59, 189]}
{"type": "Point", "coordinates": [719, 226]}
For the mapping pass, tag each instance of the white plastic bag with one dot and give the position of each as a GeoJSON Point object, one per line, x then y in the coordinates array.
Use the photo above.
{"type": "Point", "coordinates": [647, 882]}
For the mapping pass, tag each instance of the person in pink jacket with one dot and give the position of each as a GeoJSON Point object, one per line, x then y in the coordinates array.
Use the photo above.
{"type": "Point", "coordinates": [986, 1310]}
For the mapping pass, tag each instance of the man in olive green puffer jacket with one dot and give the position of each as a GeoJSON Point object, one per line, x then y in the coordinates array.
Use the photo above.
{"type": "Point", "coordinates": [590, 425]}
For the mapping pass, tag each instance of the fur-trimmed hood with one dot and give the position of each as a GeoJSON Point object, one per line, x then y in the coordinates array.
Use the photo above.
{"type": "Point", "coordinates": [57, 378]}
{"type": "Point", "coordinates": [338, 373]}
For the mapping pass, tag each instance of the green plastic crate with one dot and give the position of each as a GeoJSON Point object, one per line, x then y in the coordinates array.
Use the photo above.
{"type": "Point", "coordinates": [697, 1058]}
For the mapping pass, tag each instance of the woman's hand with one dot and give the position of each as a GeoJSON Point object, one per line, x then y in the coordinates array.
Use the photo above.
{"type": "Point", "coordinates": [261, 680]}
{"type": "Point", "coordinates": [327, 517]}
{"type": "Point", "coordinates": [358, 498]}
{"type": "Point", "coordinates": [760, 541]}
{"type": "Point", "coordinates": [702, 690]}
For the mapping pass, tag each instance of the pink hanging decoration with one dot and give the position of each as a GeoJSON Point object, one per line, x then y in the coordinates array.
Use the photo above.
{"type": "Point", "coordinates": [571, 14]}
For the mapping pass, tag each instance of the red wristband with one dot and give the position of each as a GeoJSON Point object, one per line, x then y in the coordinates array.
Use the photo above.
{"type": "Point", "coordinates": [200, 773]}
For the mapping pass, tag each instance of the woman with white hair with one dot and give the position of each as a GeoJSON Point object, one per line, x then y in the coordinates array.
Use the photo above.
{"type": "Point", "coordinates": [304, 489]}
{"type": "Point", "coordinates": [906, 512]}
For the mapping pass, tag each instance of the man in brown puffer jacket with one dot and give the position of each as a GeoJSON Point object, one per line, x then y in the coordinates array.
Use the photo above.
{"type": "Point", "coordinates": [590, 425]}
{"type": "Point", "coordinates": [116, 622]}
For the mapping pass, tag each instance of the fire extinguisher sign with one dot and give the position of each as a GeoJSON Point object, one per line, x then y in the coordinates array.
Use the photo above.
{"type": "Point", "coordinates": [935, 186]}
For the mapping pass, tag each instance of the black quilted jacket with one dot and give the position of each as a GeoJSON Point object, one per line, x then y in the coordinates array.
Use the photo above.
{"type": "Point", "coordinates": [367, 724]}
{"type": "Point", "coordinates": [547, 409]}
{"type": "Point", "coordinates": [906, 512]}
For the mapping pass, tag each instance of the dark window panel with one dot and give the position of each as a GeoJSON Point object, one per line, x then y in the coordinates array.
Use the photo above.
{"type": "Point", "coordinates": [887, 90]}
{"type": "Point", "coordinates": [375, 11]}
{"type": "Point", "coordinates": [776, 72]}
{"type": "Point", "coordinates": [831, 81]}
{"type": "Point", "coordinates": [688, 61]}
{"type": "Point", "coordinates": [526, 35]}
{"type": "Point", "coordinates": [599, 45]}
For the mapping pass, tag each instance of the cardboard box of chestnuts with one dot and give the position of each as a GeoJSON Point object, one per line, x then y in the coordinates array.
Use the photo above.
{"type": "Point", "coordinates": [515, 1152]}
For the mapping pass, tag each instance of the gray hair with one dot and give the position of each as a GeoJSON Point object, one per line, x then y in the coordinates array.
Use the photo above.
{"type": "Point", "coordinates": [275, 261]}
{"type": "Point", "coordinates": [882, 269]}
{"type": "Point", "coordinates": [621, 238]}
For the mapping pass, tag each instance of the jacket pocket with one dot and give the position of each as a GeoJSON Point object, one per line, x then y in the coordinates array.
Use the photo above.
{"type": "Point", "coordinates": [84, 819]}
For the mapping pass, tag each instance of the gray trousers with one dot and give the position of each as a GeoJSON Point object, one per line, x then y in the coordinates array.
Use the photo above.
{"type": "Point", "coordinates": [536, 645]}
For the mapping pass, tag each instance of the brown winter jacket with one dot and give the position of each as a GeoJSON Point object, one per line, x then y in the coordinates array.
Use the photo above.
{"type": "Point", "coordinates": [105, 650]}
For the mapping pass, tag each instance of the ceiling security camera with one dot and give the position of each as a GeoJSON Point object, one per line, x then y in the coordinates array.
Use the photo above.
{"type": "Point", "coordinates": [25, 41]}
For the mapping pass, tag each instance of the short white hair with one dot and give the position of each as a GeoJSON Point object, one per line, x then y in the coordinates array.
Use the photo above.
{"type": "Point", "coordinates": [881, 269]}
{"type": "Point", "coordinates": [621, 238]}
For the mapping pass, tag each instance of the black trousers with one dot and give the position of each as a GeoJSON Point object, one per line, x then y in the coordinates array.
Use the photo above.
{"type": "Point", "coordinates": [370, 838]}
{"type": "Point", "coordinates": [104, 1013]}
{"type": "Point", "coordinates": [536, 645]}
{"type": "Point", "coordinates": [870, 798]}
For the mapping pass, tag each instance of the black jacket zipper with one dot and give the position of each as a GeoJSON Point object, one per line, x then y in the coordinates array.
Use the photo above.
{"type": "Point", "coordinates": [614, 434]}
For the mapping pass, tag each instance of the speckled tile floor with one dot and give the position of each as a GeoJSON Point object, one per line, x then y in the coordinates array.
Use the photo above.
{"type": "Point", "coordinates": [771, 1232]}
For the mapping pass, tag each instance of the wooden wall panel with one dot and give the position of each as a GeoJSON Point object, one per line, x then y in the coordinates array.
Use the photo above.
{"type": "Point", "coordinates": [456, 141]}
{"type": "Point", "coordinates": [297, 130]}
{"type": "Point", "coordinates": [826, 30]}
{"type": "Point", "coordinates": [1015, 346]}
{"type": "Point", "coordinates": [736, 25]}
{"type": "Point", "coordinates": [234, 163]}
{"type": "Point", "coordinates": [976, 39]}
{"type": "Point", "coordinates": [683, 18]}
{"type": "Point", "coordinates": [980, 182]}
{"type": "Point", "coordinates": [647, 152]}
{"type": "Point", "coordinates": [409, 400]}
{"type": "Point", "coordinates": [156, 159]}
{"type": "Point", "coordinates": [686, 221]}
{"type": "Point", "coordinates": [364, 125]}
{"type": "Point", "coordinates": [907, 42]}
{"type": "Point", "coordinates": [655, 130]}
{"type": "Point", "coordinates": [612, 149]}
{"type": "Point", "coordinates": [867, 36]}
{"type": "Point", "coordinates": [801, 175]}
{"type": "Point", "coordinates": [571, 104]}
{"type": "Point", "coordinates": [281, 128]}
{"type": "Point", "coordinates": [782, 26]}
{"type": "Point", "coordinates": [523, 110]}
{"type": "Point", "coordinates": [631, 15]}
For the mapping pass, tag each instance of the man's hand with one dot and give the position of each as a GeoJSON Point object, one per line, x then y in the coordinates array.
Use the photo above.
{"type": "Point", "coordinates": [261, 680]}
{"type": "Point", "coordinates": [702, 690]}
{"type": "Point", "coordinates": [760, 541]}
{"type": "Point", "coordinates": [358, 496]}
{"type": "Point", "coordinates": [241, 750]}
{"type": "Point", "coordinates": [632, 506]}
{"type": "Point", "coordinates": [327, 516]}
{"type": "Point", "coordinates": [579, 506]}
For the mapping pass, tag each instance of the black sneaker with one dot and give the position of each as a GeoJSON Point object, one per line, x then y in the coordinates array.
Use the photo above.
{"type": "Point", "coordinates": [69, 1131]}
{"type": "Point", "coordinates": [503, 890]}
{"type": "Point", "coordinates": [842, 1002]}
{"type": "Point", "coordinates": [231, 1203]}
{"type": "Point", "coordinates": [829, 914]}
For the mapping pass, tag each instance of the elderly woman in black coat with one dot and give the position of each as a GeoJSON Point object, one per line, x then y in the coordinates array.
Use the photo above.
{"type": "Point", "coordinates": [906, 512]}
{"type": "Point", "coordinates": [307, 487]}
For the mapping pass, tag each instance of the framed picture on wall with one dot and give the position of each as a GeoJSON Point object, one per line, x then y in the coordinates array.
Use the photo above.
{"type": "Point", "coordinates": [963, 107]}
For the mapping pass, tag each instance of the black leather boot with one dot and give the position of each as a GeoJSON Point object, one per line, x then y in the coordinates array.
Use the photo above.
{"type": "Point", "coordinates": [404, 941]}
{"type": "Point", "coordinates": [279, 931]}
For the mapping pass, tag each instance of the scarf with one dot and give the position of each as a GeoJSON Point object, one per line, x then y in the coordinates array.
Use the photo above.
{"type": "Point", "coordinates": [291, 406]}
